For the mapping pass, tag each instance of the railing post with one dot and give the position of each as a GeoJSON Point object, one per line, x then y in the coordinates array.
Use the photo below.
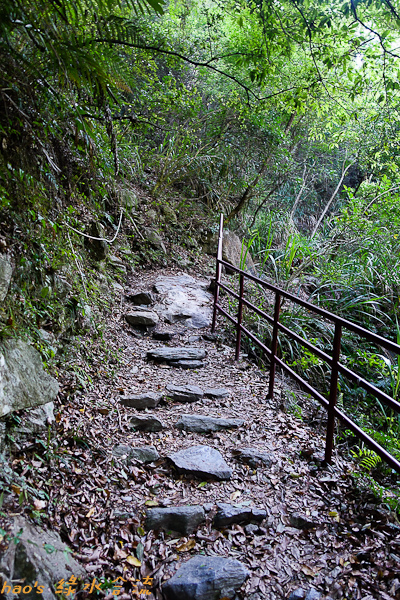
{"type": "Point", "coordinates": [333, 392]}
{"type": "Point", "coordinates": [240, 316]}
{"type": "Point", "coordinates": [218, 272]}
{"type": "Point", "coordinates": [274, 346]}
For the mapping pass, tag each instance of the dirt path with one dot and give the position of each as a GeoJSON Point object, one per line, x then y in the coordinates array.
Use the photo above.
{"type": "Point", "coordinates": [319, 532]}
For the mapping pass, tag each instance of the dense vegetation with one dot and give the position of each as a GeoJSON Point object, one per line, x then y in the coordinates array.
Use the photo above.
{"type": "Point", "coordinates": [284, 116]}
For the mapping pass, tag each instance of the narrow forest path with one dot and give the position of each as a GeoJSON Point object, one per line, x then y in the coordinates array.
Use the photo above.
{"type": "Point", "coordinates": [203, 436]}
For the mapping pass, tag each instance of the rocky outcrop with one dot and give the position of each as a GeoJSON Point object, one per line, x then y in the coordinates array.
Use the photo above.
{"type": "Point", "coordinates": [6, 271]}
{"type": "Point", "coordinates": [98, 248]}
{"type": "Point", "coordinates": [206, 578]}
{"type": "Point", "coordinates": [39, 560]}
{"type": "Point", "coordinates": [184, 300]}
{"type": "Point", "coordinates": [23, 381]}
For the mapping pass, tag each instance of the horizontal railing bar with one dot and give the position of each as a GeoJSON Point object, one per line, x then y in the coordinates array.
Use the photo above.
{"type": "Point", "coordinates": [227, 315]}
{"type": "Point", "coordinates": [369, 387]}
{"type": "Point", "coordinates": [304, 383]}
{"type": "Point", "coordinates": [258, 311]}
{"type": "Point", "coordinates": [392, 346]}
{"type": "Point", "coordinates": [369, 441]}
{"type": "Point", "coordinates": [307, 344]}
{"type": "Point", "coordinates": [247, 303]}
{"type": "Point", "coordinates": [255, 339]}
{"type": "Point", "coordinates": [228, 289]}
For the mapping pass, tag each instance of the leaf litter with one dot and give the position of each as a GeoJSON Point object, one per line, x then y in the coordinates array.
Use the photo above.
{"type": "Point", "coordinates": [97, 501]}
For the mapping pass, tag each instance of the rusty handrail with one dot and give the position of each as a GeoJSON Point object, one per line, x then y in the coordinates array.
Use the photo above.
{"type": "Point", "coordinates": [334, 360]}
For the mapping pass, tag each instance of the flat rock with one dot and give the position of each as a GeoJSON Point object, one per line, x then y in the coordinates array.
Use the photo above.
{"type": "Point", "coordinates": [23, 381]}
{"type": "Point", "coordinates": [301, 521]}
{"type": "Point", "coordinates": [175, 354]}
{"type": "Point", "coordinates": [201, 461]}
{"type": "Point", "coordinates": [253, 457]}
{"type": "Point", "coordinates": [122, 451]}
{"type": "Point", "coordinates": [142, 317]}
{"type": "Point", "coordinates": [205, 424]}
{"type": "Point", "coordinates": [141, 401]}
{"type": "Point", "coordinates": [228, 514]}
{"type": "Point", "coordinates": [139, 298]}
{"type": "Point", "coordinates": [216, 393]}
{"type": "Point", "coordinates": [181, 519]}
{"type": "Point", "coordinates": [184, 393]}
{"type": "Point", "coordinates": [185, 300]}
{"type": "Point", "coordinates": [313, 594]}
{"type": "Point", "coordinates": [147, 423]}
{"type": "Point", "coordinates": [187, 364]}
{"type": "Point", "coordinates": [144, 454]}
{"type": "Point", "coordinates": [298, 594]}
{"type": "Point", "coordinates": [163, 336]}
{"type": "Point", "coordinates": [38, 556]}
{"type": "Point", "coordinates": [206, 578]}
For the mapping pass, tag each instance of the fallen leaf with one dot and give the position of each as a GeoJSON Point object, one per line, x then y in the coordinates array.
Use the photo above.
{"type": "Point", "coordinates": [308, 571]}
{"type": "Point", "coordinates": [189, 545]}
{"type": "Point", "coordinates": [91, 512]}
{"type": "Point", "coordinates": [39, 504]}
{"type": "Point", "coordinates": [132, 560]}
{"type": "Point", "coordinates": [151, 503]}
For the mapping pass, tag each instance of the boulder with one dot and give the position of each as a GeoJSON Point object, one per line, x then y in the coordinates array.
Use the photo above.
{"type": "Point", "coordinates": [142, 317]}
{"type": "Point", "coordinates": [23, 381]}
{"type": "Point", "coordinates": [184, 393]}
{"type": "Point", "coordinates": [228, 515]}
{"type": "Point", "coordinates": [216, 393]}
{"type": "Point", "coordinates": [97, 247]}
{"type": "Point", "coordinates": [6, 271]}
{"type": "Point", "coordinates": [180, 519]}
{"type": "Point", "coordinates": [233, 251]}
{"type": "Point", "coordinates": [166, 354]}
{"type": "Point", "coordinates": [201, 461]}
{"type": "Point", "coordinates": [206, 578]}
{"type": "Point", "coordinates": [146, 423]}
{"type": "Point", "coordinates": [39, 557]}
{"type": "Point", "coordinates": [154, 239]}
{"type": "Point", "coordinates": [138, 298]}
{"type": "Point", "coordinates": [253, 457]}
{"type": "Point", "coordinates": [141, 401]}
{"type": "Point", "coordinates": [187, 364]}
{"type": "Point", "coordinates": [205, 424]}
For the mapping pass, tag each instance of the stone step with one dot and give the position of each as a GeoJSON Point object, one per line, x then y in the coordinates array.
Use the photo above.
{"type": "Point", "coordinates": [205, 424]}
{"type": "Point", "coordinates": [201, 461]}
{"type": "Point", "coordinates": [206, 578]}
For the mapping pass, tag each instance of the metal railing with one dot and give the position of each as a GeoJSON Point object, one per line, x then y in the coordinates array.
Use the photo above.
{"type": "Point", "coordinates": [334, 360]}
